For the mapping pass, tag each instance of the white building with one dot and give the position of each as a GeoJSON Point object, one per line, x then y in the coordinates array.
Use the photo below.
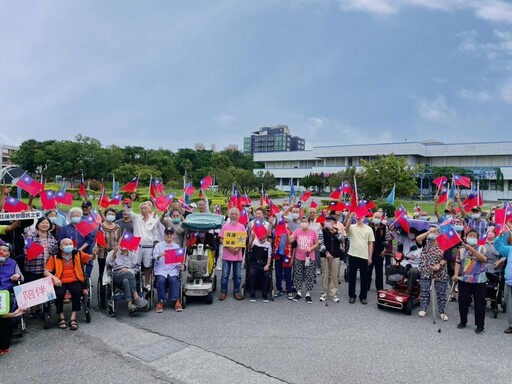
{"type": "Point", "coordinates": [6, 153]}
{"type": "Point", "coordinates": [482, 159]}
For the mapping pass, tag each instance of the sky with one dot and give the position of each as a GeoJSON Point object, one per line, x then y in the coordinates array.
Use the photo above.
{"type": "Point", "coordinates": [169, 74]}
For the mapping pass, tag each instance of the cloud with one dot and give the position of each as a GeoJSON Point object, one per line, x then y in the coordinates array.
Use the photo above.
{"type": "Point", "coordinates": [490, 10]}
{"type": "Point", "coordinates": [435, 110]}
{"type": "Point", "coordinates": [505, 91]}
{"type": "Point", "coordinates": [225, 118]}
{"type": "Point", "coordinates": [480, 96]}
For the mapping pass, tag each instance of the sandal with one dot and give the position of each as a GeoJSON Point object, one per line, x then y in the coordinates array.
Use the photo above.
{"type": "Point", "coordinates": [73, 325]}
{"type": "Point", "coordinates": [62, 324]}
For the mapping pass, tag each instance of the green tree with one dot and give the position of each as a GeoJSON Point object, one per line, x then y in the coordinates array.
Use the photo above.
{"type": "Point", "coordinates": [127, 172]}
{"type": "Point", "coordinates": [266, 179]}
{"type": "Point", "coordinates": [387, 170]}
{"type": "Point", "coordinates": [317, 181]}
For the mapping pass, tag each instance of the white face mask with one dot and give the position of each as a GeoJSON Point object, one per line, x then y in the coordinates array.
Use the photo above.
{"type": "Point", "coordinates": [432, 236]}
{"type": "Point", "coordinates": [295, 216]}
{"type": "Point", "coordinates": [111, 218]}
{"type": "Point", "coordinates": [472, 240]}
{"type": "Point", "coordinates": [458, 228]}
{"type": "Point", "coordinates": [376, 221]}
{"type": "Point", "coordinates": [475, 216]}
{"type": "Point", "coordinates": [328, 224]}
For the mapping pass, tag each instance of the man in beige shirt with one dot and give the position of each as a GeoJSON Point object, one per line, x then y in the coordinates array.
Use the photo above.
{"type": "Point", "coordinates": [359, 256]}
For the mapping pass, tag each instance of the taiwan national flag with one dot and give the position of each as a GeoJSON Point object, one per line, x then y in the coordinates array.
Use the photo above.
{"type": "Point", "coordinates": [321, 218]}
{"type": "Point", "coordinates": [104, 201]}
{"type": "Point", "coordinates": [281, 226]}
{"type": "Point", "coordinates": [87, 225]}
{"type": "Point", "coordinates": [400, 210]}
{"type": "Point", "coordinates": [473, 200]}
{"type": "Point", "coordinates": [443, 196]}
{"type": "Point", "coordinates": [12, 204]}
{"type": "Point", "coordinates": [163, 202]}
{"type": "Point", "coordinates": [206, 182]}
{"type": "Point", "coordinates": [440, 181]}
{"type": "Point", "coordinates": [274, 209]}
{"type": "Point", "coordinates": [189, 189]}
{"type": "Point", "coordinates": [234, 199]}
{"type": "Point", "coordinates": [305, 197]}
{"type": "Point", "coordinates": [448, 239]}
{"type": "Point", "coordinates": [100, 238]}
{"type": "Point", "coordinates": [48, 200]}
{"type": "Point", "coordinates": [313, 204]}
{"type": "Point", "coordinates": [175, 256]}
{"type": "Point", "coordinates": [33, 249]}
{"type": "Point", "coordinates": [131, 186]}
{"type": "Point", "coordinates": [156, 188]}
{"type": "Point", "coordinates": [245, 200]}
{"type": "Point", "coordinates": [346, 188]}
{"type": "Point", "coordinates": [29, 185]}
{"type": "Point", "coordinates": [462, 180]}
{"type": "Point", "coordinates": [336, 194]}
{"type": "Point", "coordinates": [244, 218]}
{"type": "Point", "coordinates": [402, 221]}
{"type": "Point", "coordinates": [64, 198]}
{"type": "Point", "coordinates": [259, 228]}
{"type": "Point", "coordinates": [362, 210]}
{"type": "Point", "coordinates": [115, 200]}
{"type": "Point", "coordinates": [336, 206]}
{"type": "Point", "coordinates": [96, 216]}
{"type": "Point", "coordinates": [129, 241]}
{"type": "Point", "coordinates": [81, 188]}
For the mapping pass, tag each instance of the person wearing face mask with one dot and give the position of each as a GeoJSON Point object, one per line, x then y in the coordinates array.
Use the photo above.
{"type": "Point", "coordinates": [492, 253]}
{"type": "Point", "coordinates": [231, 257]}
{"type": "Point", "coordinates": [34, 268]}
{"type": "Point", "coordinates": [294, 219]}
{"type": "Point", "coordinates": [260, 259]}
{"type": "Point", "coordinates": [66, 271]}
{"type": "Point", "coordinates": [473, 219]}
{"type": "Point", "coordinates": [125, 265]}
{"type": "Point", "coordinates": [82, 243]}
{"type": "Point", "coordinates": [9, 274]}
{"type": "Point", "coordinates": [471, 276]}
{"type": "Point", "coordinates": [304, 261]}
{"type": "Point", "coordinates": [331, 239]}
{"type": "Point", "coordinates": [432, 267]}
{"type": "Point", "coordinates": [360, 256]}
{"type": "Point", "coordinates": [54, 218]}
{"type": "Point", "coordinates": [451, 254]}
{"type": "Point", "coordinates": [379, 249]}
{"type": "Point", "coordinates": [502, 244]}
{"type": "Point", "coordinates": [112, 233]}
{"type": "Point", "coordinates": [448, 212]}
{"type": "Point", "coordinates": [174, 221]}
{"type": "Point", "coordinates": [125, 222]}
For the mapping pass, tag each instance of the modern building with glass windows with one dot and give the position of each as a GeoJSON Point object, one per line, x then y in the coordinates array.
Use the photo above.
{"type": "Point", "coordinates": [488, 162]}
{"type": "Point", "coordinates": [273, 139]}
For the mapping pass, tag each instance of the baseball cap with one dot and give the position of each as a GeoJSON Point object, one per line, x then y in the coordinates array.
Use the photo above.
{"type": "Point", "coordinates": [476, 209]}
{"type": "Point", "coordinates": [86, 204]}
{"type": "Point", "coordinates": [169, 230]}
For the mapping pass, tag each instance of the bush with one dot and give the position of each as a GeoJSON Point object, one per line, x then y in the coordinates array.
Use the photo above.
{"type": "Point", "coordinates": [389, 209]}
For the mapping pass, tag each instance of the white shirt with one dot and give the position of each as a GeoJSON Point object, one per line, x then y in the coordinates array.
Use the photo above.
{"type": "Point", "coordinates": [146, 230]}
{"type": "Point", "coordinates": [161, 268]}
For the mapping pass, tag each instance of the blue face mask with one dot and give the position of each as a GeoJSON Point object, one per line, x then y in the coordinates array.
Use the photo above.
{"type": "Point", "coordinates": [75, 220]}
{"type": "Point", "coordinates": [458, 228]}
{"type": "Point", "coordinates": [67, 248]}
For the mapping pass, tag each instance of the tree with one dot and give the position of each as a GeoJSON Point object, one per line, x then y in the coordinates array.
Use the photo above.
{"type": "Point", "coordinates": [127, 172]}
{"type": "Point", "coordinates": [385, 171]}
{"type": "Point", "coordinates": [317, 181]}
{"type": "Point", "coordinates": [266, 179]}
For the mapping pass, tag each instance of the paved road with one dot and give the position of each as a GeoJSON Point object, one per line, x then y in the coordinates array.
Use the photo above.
{"type": "Point", "coordinates": [260, 342]}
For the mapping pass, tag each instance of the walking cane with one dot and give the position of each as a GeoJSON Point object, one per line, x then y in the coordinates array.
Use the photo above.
{"type": "Point", "coordinates": [433, 298]}
{"type": "Point", "coordinates": [446, 306]}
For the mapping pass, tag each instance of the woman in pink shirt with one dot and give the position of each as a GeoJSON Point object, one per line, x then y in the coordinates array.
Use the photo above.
{"type": "Point", "coordinates": [304, 264]}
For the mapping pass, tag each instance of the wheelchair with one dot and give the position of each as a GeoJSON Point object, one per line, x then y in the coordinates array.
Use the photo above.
{"type": "Point", "coordinates": [85, 304]}
{"type": "Point", "coordinates": [114, 294]}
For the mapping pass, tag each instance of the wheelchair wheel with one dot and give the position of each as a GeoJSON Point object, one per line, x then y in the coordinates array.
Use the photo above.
{"type": "Point", "coordinates": [380, 306]}
{"type": "Point", "coordinates": [495, 312]}
{"type": "Point", "coordinates": [87, 315]}
{"type": "Point", "coordinates": [111, 311]}
{"type": "Point", "coordinates": [183, 300]}
{"type": "Point", "coordinates": [408, 307]}
{"type": "Point", "coordinates": [46, 315]}
{"type": "Point", "coordinates": [209, 298]}
{"type": "Point", "coordinates": [101, 294]}
{"type": "Point", "coordinates": [214, 283]}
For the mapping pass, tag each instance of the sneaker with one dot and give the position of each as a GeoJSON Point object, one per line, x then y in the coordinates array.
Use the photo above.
{"type": "Point", "coordinates": [265, 300]}
{"type": "Point", "coordinates": [140, 303]}
{"type": "Point", "coordinates": [443, 317]}
{"type": "Point", "coordinates": [159, 307]}
{"type": "Point", "coordinates": [322, 298]}
{"type": "Point", "coordinates": [219, 268]}
{"type": "Point", "coordinates": [278, 294]}
{"type": "Point", "coordinates": [223, 296]}
{"type": "Point", "coordinates": [461, 325]}
{"type": "Point", "coordinates": [147, 288]}
{"type": "Point", "coordinates": [335, 299]}
{"type": "Point", "coordinates": [479, 331]}
{"type": "Point", "coordinates": [252, 299]}
{"type": "Point", "coordinates": [309, 300]}
{"type": "Point", "coordinates": [4, 351]}
{"type": "Point", "coordinates": [131, 307]}
{"type": "Point", "coordinates": [422, 313]}
{"type": "Point", "coordinates": [318, 272]}
{"type": "Point", "coordinates": [297, 297]}
{"type": "Point", "coordinates": [178, 307]}
{"type": "Point", "coordinates": [289, 295]}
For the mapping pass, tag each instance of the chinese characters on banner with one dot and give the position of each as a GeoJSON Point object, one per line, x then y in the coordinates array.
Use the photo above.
{"type": "Point", "coordinates": [234, 239]}
{"type": "Point", "coordinates": [34, 293]}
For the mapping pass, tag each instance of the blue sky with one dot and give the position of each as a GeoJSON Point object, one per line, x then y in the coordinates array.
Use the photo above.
{"type": "Point", "coordinates": [173, 73]}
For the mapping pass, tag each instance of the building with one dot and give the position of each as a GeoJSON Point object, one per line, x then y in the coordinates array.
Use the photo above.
{"type": "Point", "coordinates": [273, 139]}
{"type": "Point", "coordinates": [483, 160]}
{"type": "Point", "coordinates": [231, 147]}
{"type": "Point", "coordinates": [6, 151]}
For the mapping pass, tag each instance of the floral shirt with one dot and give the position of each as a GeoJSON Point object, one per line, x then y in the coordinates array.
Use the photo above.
{"type": "Point", "coordinates": [431, 255]}
{"type": "Point", "coordinates": [112, 237]}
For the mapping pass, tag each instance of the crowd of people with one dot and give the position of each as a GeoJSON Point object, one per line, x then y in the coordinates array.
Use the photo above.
{"type": "Point", "coordinates": [296, 248]}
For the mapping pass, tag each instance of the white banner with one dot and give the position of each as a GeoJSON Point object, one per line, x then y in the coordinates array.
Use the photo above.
{"type": "Point", "coordinates": [34, 293]}
{"type": "Point", "coordinates": [20, 215]}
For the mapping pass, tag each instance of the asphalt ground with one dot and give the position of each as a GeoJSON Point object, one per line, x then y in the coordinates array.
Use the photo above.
{"type": "Point", "coordinates": [275, 342]}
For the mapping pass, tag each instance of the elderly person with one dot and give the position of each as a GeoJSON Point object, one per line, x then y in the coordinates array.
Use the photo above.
{"type": "Point", "coordinates": [53, 216]}
{"type": "Point", "coordinates": [9, 274]}
{"type": "Point", "coordinates": [66, 268]}
{"type": "Point", "coordinates": [34, 268]}
{"type": "Point", "coordinates": [125, 265]}
{"type": "Point", "coordinates": [432, 267]}
{"type": "Point", "coordinates": [231, 257]}
{"type": "Point", "coordinates": [174, 221]}
{"type": "Point", "coordinates": [145, 226]}
{"type": "Point", "coordinates": [167, 273]}
{"type": "Point", "coordinates": [379, 249]}
{"type": "Point", "coordinates": [112, 233]}
{"type": "Point", "coordinates": [472, 278]}
{"type": "Point", "coordinates": [304, 264]}
{"type": "Point", "coordinates": [331, 240]}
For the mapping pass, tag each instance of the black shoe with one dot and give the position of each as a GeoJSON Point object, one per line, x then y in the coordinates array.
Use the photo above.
{"type": "Point", "coordinates": [461, 325]}
{"type": "Point", "coordinates": [363, 301]}
{"type": "Point", "coordinates": [297, 297]}
{"type": "Point", "coordinates": [479, 331]}
{"type": "Point", "coordinates": [352, 300]}
{"type": "Point", "coordinates": [309, 300]}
